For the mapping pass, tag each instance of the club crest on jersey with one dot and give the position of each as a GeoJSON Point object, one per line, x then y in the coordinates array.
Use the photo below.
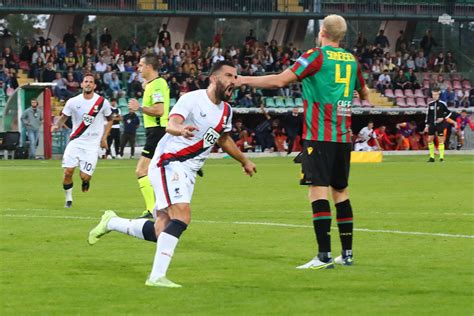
{"type": "Point", "coordinates": [177, 194]}
{"type": "Point", "coordinates": [175, 177]}
{"type": "Point", "coordinates": [96, 108]}
{"type": "Point", "coordinates": [310, 150]}
{"type": "Point", "coordinates": [87, 119]}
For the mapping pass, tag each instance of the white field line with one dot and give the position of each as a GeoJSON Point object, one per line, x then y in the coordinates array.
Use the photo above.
{"type": "Point", "coordinates": [263, 211]}
{"type": "Point", "coordinates": [26, 216]}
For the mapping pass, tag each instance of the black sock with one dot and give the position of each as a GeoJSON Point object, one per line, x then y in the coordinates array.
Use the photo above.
{"type": "Point", "coordinates": [322, 227]}
{"type": "Point", "coordinates": [67, 186]}
{"type": "Point", "coordinates": [345, 225]}
{"type": "Point", "coordinates": [148, 231]}
{"type": "Point", "coordinates": [175, 228]}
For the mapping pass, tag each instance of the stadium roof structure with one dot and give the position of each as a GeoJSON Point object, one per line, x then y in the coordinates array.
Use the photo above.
{"type": "Point", "coordinates": [459, 10]}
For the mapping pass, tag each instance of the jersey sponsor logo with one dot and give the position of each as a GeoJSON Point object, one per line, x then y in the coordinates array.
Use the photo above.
{"type": "Point", "coordinates": [344, 109]}
{"type": "Point", "coordinates": [177, 194]}
{"type": "Point", "coordinates": [340, 56]}
{"type": "Point", "coordinates": [202, 114]}
{"type": "Point", "coordinates": [210, 137]}
{"type": "Point", "coordinates": [303, 61]}
{"type": "Point", "coordinates": [157, 97]}
{"type": "Point", "coordinates": [175, 177]}
{"type": "Point", "coordinates": [87, 119]}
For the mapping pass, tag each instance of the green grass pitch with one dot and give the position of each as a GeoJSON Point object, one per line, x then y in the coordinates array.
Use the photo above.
{"type": "Point", "coordinates": [413, 245]}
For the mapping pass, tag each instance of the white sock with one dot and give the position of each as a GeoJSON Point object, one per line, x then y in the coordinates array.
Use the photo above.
{"type": "Point", "coordinates": [132, 227]}
{"type": "Point", "coordinates": [164, 252]}
{"type": "Point", "coordinates": [68, 193]}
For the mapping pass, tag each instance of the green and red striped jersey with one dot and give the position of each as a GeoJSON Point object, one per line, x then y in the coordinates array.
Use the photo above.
{"type": "Point", "coordinates": [329, 77]}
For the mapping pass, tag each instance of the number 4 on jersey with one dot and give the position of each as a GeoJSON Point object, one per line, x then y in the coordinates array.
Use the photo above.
{"type": "Point", "coordinates": [346, 80]}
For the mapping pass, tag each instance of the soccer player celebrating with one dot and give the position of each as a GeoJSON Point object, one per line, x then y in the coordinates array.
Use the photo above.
{"type": "Point", "coordinates": [156, 104]}
{"type": "Point", "coordinates": [88, 112]}
{"type": "Point", "coordinates": [198, 121]}
{"type": "Point", "coordinates": [329, 75]}
{"type": "Point", "coordinates": [437, 117]}
{"type": "Point", "coordinates": [462, 121]}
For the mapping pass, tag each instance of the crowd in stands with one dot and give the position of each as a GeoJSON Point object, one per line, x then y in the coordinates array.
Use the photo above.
{"type": "Point", "coordinates": [414, 71]}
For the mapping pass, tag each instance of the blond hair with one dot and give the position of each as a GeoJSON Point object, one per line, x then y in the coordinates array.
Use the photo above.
{"type": "Point", "coordinates": [334, 27]}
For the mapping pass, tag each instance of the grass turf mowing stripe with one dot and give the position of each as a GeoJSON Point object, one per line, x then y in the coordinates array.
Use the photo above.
{"type": "Point", "coordinates": [260, 224]}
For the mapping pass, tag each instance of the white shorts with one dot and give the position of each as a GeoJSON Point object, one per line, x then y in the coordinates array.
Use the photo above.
{"type": "Point", "coordinates": [363, 147]}
{"type": "Point", "coordinates": [172, 184]}
{"type": "Point", "coordinates": [85, 159]}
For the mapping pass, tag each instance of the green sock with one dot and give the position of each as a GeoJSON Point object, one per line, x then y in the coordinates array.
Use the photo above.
{"type": "Point", "coordinates": [147, 192]}
{"type": "Point", "coordinates": [431, 148]}
{"type": "Point", "coordinates": [441, 150]}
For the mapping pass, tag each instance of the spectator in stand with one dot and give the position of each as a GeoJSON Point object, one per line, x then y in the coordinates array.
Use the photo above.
{"type": "Point", "coordinates": [47, 47]}
{"type": "Point", "coordinates": [414, 84]}
{"type": "Point", "coordinates": [388, 65]}
{"type": "Point", "coordinates": [263, 133]}
{"type": "Point", "coordinates": [401, 81]}
{"type": "Point", "coordinates": [244, 97]}
{"type": "Point", "coordinates": [410, 63]}
{"type": "Point", "coordinates": [11, 83]}
{"type": "Point", "coordinates": [72, 84]}
{"type": "Point", "coordinates": [427, 43]}
{"type": "Point", "coordinates": [382, 40]}
{"type": "Point", "coordinates": [130, 124]}
{"type": "Point", "coordinates": [105, 38]}
{"type": "Point", "coordinates": [89, 38]}
{"type": "Point", "coordinates": [37, 69]}
{"type": "Point", "coordinates": [100, 66]}
{"type": "Point", "coordinates": [174, 88]}
{"type": "Point", "coordinates": [134, 46]}
{"type": "Point", "coordinates": [189, 66]}
{"type": "Point", "coordinates": [293, 124]}
{"type": "Point", "coordinates": [250, 39]}
{"type": "Point", "coordinates": [401, 40]}
{"type": "Point", "coordinates": [376, 69]}
{"type": "Point", "coordinates": [136, 89]}
{"type": "Point", "coordinates": [361, 42]}
{"type": "Point", "coordinates": [438, 65]}
{"type": "Point", "coordinates": [405, 134]}
{"type": "Point", "coordinates": [420, 62]}
{"type": "Point", "coordinates": [27, 51]}
{"type": "Point", "coordinates": [99, 84]}
{"type": "Point", "coordinates": [164, 35]}
{"type": "Point", "coordinates": [448, 96]}
{"type": "Point", "coordinates": [36, 55]}
{"type": "Point", "coordinates": [218, 57]}
{"type": "Point", "coordinates": [462, 98]}
{"type": "Point", "coordinates": [383, 139]}
{"type": "Point", "coordinates": [70, 60]}
{"type": "Point", "coordinates": [49, 74]}
{"type": "Point", "coordinates": [69, 40]}
{"type": "Point", "coordinates": [384, 82]}
{"type": "Point", "coordinates": [119, 66]}
{"type": "Point", "coordinates": [60, 90]}
{"type": "Point", "coordinates": [450, 63]}
{"type": "Point", "coordinates": [115, 88]}
{"type": "Point", "coordinates": [180, 75]}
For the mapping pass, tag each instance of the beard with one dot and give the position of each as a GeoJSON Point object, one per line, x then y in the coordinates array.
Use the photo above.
{"type": "Point", "coordinates": [88, 90]}
{"type": "Point", "coordinates": [222, 92]}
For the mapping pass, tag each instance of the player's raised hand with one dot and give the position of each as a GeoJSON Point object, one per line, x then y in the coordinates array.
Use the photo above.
{"type": "Point", "coordinates": [249, 168]}
{"type": "Point", "coordinates": [54, 128]}
{"type": "Point", "coordinates": [133, 105]}
{"type": "Point", "coordinates": [188, 131]}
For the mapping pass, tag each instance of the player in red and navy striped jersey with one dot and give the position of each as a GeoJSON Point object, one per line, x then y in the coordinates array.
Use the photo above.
{"type": "Point", "coordinates": [329, 76]}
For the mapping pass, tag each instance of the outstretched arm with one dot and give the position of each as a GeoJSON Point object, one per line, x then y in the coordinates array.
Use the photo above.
{"type": "Point", "coordinates": [59, 123]}
{"type": "Point", "coordinates": [268, 82]}
{"type": "Point", "coordinates": [227, 144]}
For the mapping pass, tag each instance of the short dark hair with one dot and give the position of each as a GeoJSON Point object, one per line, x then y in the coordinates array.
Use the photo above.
{"type": "Point", "coordinates": [89, 74]}
{"type": "Point", "coordinates": [113, 99]}
{"type": "Point", "coordinates": [464, 111]}
{"type": "Point", "coordinates": [151, 59]}
{"type": "Point", "coordinates": [218, 65]}
{"type": "Point", "coordinates": [370, 122]}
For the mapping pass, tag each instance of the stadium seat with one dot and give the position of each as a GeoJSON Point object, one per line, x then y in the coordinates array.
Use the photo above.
{"type": "Point", "coordinates": [426, 84]}
{"type": "Point", "coordinates": [401, 102]}
{"type": "Point", "coordinates": [269, 103]}
{"type": "Point", "coordinates": [399, 93]}
{"type": "Point", "coordinates": [419, 94]}
{"type": "Point", "coordinates": [456, 77]}
{"type": "Point", "coordinates": [466, 84]}
{"type": "Point", "coordinates": [279, 102]}
{"type": "Point", "coordinates": [420, 102]}
{"type": "Point", "coordinates": [356, 102]}
{"type": "Point", "coordinates": [457, 85]}
{"type": "Point", "coordinates": [172, 102]}
{"type": "Point", "coordinates": [289, 103]}
{"type": "Point", "coordinates": [426, 76]}
{"type": "Point", "coordinates": [299, 102]}
{"type": "Point", "coordinates": [122, 102]}
{"type": "Point", "coordinates": [411, 102]}
{"type": "Point", "coordinates": [389, 93]}
{"type": "Point", "coordinates": [366, 104]}
{"type": "Point", "coordinates": [409, 93]}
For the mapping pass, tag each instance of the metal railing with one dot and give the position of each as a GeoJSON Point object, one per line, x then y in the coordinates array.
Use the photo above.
{"type": "Point", "coordinates": [459, 9]}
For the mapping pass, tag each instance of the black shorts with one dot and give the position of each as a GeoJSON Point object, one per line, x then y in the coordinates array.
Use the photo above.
{"type": "Point", "coordinates": [439, 129]}
{"type": "Point", "coordinates": [153, 136]}
{"type": "Point", "coordinates": [326, 164]}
